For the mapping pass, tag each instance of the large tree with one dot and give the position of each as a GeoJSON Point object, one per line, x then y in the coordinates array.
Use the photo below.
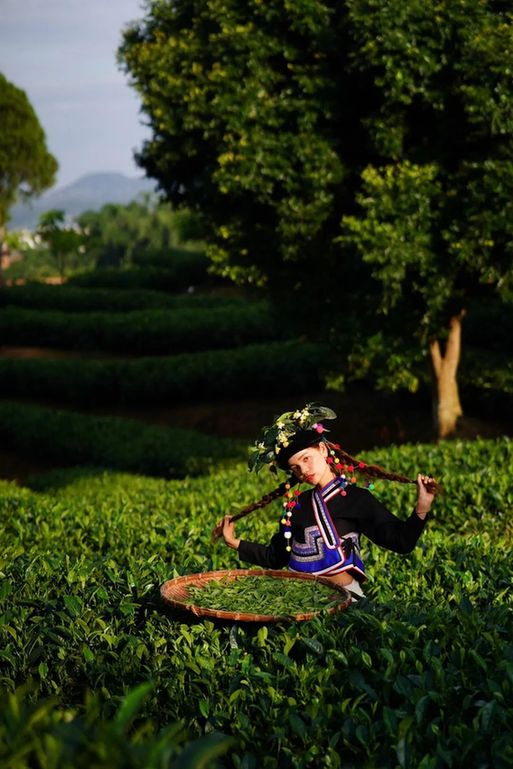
{"type": "Point", "coordinates": [435, 219]}
{"type": "Point", "coordinates": [358, 153]}
{"type": "Point", "coordinates": [26, 166]}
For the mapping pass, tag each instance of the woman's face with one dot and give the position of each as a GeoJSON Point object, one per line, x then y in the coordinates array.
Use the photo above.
{"type": "Point", "coordinates": [310, 466]}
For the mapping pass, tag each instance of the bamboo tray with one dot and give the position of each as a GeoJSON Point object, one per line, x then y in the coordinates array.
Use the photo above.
{"type": "Point", "coordinates": [175, 593]}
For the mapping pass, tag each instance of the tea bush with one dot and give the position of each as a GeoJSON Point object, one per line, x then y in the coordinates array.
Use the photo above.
{"type": "Point", "coordinates": [418, 674]}
{"type": "Point", "coordinates": [69, 298]}
{"type": "Point", "coordinates": [250, 370]}
{"type": "Point", "coordinates": [67, 438]}
{"type": "Point", "coordinates": [184, 272]}
{"type": "Point", "coordinates": [43, 735]}
{"type": "Point", "coordinates": [145, 332]}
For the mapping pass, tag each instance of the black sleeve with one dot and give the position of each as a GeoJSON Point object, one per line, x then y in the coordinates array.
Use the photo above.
{"type": "Point", "coordinates": [271, 556]}
{"type": "Point", "coordinates": [386, 530]}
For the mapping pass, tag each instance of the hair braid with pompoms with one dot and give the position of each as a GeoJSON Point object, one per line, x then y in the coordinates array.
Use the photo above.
{"type": "Point", "coordinates": [371, 471]}
{"type": "Point", "coordinates": [352, 464]}
{"type": "Point", "coordinates": [267, 498]}
{"type": "Point", "coordinates": [348, 463]}
{"type": "Point", "coordinates": [263, 502]}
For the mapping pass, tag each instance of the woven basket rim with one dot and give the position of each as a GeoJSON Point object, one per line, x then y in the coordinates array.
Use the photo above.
{"type": "Point", "coordinates": [174, 593]}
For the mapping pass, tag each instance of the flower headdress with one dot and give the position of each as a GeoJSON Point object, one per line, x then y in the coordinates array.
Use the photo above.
{"type": "Point", "coordinates": [279, 437]}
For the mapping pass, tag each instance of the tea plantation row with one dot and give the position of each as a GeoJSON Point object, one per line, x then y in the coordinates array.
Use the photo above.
{"type": "Point", "coordinates": [143, 332]}
{"type": "Point", "coordinates": [66, 438]}
{"type": "Point", "coordinates": [213, 344]}
{"type": "Point", "coordinates": [418, 674]}
{"type": "Point", "coordinates": [288, 367]}
{"type": "Point", "coordinates": [71, 298]}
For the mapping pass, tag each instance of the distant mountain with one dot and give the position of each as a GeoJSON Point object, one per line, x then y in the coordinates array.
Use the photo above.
{"type": "Point", "coordinates": [89, 192]}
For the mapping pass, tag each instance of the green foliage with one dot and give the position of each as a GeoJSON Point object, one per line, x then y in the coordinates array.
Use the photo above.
{"type": "Point", "coordinates": [67, 438]}
{"type": "Point", "coordinates": [278, 435]}
{"type": "Point", "coordinates": [419, 674]}
{"type": "Point", "coordinates": [187, 269]}
{"type": "Point", "coordinates": [72, 298]}
{"type": "Point", "coordinates": [264, 595]}
{"type": "Point", "coordinates": [156, 247]}
{"type": "Point", "coordinates": [38, 264]}
{"type": "Point", "coordinates": [355, 156]}
{"type": "Point", "coordinates": [62, 241]}
{"type": "Point", "coordinates": [144, 231]}
{"type": "Point", "coordinates": [26, 166]}
{"type": "Point", "coordinates": [278, 367]}
{"type": "Point", "coordinates": [261, 161]}
{"type": "Point", "coordinates": [434, 219]}
{"type": "Point", "coordinates": [143, 332]}
{"type": "Point", "coordinates": [46, 735]}
{"type": "Point", "coordinates": [396, 236]}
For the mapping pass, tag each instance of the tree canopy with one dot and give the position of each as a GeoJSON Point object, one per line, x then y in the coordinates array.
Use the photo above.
{"type": "Point", "coordinates": [359, 152]}
{"type": "Point", "coordinates": [26, 166]}
{"type": "Point", "coordinates": [143, 231]}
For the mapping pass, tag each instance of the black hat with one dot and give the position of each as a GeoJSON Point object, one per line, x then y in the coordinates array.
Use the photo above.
{"type": "Point", "coordinates": [291, 432]}
{"type": "Point", "coordinates": [303, 439]}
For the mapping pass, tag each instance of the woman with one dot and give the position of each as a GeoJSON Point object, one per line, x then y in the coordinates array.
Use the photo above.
{"type": "Point", "coordinates": [320, 528]}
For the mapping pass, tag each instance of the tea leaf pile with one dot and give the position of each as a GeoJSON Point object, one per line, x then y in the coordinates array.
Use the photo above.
{"type": "Point", "coordinates": [264, 595]}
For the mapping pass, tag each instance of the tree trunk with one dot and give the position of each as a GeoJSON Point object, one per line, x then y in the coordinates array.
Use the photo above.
{"type": "Point", "coordinates": [446, 400]}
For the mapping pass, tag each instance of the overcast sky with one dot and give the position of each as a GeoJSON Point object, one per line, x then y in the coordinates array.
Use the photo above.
{"type": "Point", "coordinates": [63, 54]}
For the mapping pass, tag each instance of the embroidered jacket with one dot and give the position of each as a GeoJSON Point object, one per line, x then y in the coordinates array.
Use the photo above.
{"type": "Point", "coordinates": [326, 528]}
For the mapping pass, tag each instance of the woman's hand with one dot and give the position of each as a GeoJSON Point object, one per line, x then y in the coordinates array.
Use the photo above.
{"type": "Point", "coordinates": [226, 528]}
{"type": "Point", "coordinates": [424, 497]}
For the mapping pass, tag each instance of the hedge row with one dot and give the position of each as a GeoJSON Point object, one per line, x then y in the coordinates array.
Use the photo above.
{"type": "Point", "coordinates": [147, 332]}
{"type": "Point", "coordinates": [68, 298]}
{"type": "Point", "coordinates": [67, 438]}
{"type": "Point", "coordinates": [290, 367]}
{"type": "Point", "coordinates": [277, 368]}
{"type": "Point", "coordinates": [189, 271]}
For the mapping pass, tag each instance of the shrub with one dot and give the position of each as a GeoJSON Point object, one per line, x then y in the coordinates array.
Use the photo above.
{"type": "Point", "coordinates": [190, 270]}
{"type": "Point", "coordinates": [67, 438]}
{"type": "Point", "coordinates": [69, 298]}
{"type": "Point", "coordinates": [280, 368]}
{"type": "Point", "coordinates": [144, 332]}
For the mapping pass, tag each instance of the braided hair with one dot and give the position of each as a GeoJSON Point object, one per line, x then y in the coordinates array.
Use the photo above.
{"type": "Point", "coordinates": [340, 462]}
{"type": "Point", "coordinates": [351, 464]}
{"type": "Point", "coordinates": [267, 498]}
